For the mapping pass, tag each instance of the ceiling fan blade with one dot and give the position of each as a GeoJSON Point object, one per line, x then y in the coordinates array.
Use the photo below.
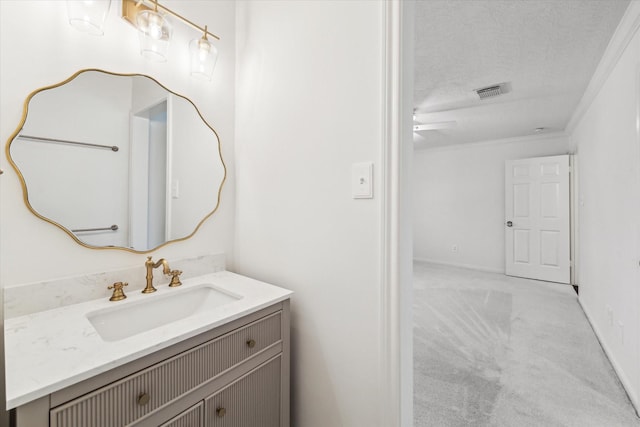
{"type": "Point", "coordinates": [435, 126]}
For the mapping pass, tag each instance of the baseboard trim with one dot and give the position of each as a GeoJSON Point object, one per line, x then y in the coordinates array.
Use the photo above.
{"type": "Point", "coordinates": [626, 384]}
{"type": "Point", "coordinates": [454, 264]}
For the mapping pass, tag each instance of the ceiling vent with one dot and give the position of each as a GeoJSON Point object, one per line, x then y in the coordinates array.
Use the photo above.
{"type": "Point", "coordinates": [492, 91]}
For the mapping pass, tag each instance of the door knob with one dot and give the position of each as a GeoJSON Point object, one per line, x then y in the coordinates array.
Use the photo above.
{"type": "Point", "coordinates": [509, 224]}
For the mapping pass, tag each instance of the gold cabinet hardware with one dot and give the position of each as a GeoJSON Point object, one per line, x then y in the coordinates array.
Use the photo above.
{"type": "Point", "coordinates": [175, 278]}
{"type": "Point", "coordinates": [118, 293]}
{"type": "Point", "coordinates": [143, 399]}
{"type": "Point", "coordinates": [221, 412]}
{"type": "Point", "coordinates": [251, 343]}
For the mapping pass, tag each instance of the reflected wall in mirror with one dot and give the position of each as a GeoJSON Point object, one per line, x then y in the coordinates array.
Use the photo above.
{"type": "Point", "coordinates": [117, 161]}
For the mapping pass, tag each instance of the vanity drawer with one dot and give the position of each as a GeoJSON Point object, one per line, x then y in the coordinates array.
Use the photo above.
{"type": "Point", "coordinates": [132, 398]}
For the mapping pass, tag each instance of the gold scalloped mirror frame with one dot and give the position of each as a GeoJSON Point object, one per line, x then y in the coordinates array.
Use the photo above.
{"type": "Point", "coordinates": [25, 193]}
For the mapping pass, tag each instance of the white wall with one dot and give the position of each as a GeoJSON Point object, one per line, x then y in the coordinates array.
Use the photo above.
{"type": "Point", "coordinates": [609, 214]}
{"type": "Point", "coordinates": [145, 93]}
{"type": "Point", "coordinates": [47, 51]}
{"type": "Point", "coordinates": [309, 105]}
{"type": "Point", "coordinates": [458, 199]}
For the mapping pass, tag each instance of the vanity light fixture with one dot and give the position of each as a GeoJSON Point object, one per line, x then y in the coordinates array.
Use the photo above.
{"type": "Point", "coordinates": [150, 17]}
{"type": "Point", "coordinates": [88, 16]}
{"type": "Point", "coordinates": [154, 30]}
{"type": "Point", "coordinates": [203, 57]}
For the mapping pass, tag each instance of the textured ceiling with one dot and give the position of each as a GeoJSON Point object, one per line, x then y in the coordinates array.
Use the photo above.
{"type": "Point", "coordinates": [546, 49]}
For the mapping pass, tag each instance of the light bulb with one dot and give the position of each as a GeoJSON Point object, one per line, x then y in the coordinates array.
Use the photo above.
{"type": "Point", "coordinates": [155, 26]}
{"type": "Point", "coordinates": [204, 49]}
{"type": "Point", "coordinates": [154, 33]}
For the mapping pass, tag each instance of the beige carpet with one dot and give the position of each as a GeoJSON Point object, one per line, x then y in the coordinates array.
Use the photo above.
{"type": "Point", "coordinates": [492, 350]}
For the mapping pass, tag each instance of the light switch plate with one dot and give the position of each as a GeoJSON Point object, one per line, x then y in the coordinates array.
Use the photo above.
{"type": "Point", "coordinates": [362, 180]}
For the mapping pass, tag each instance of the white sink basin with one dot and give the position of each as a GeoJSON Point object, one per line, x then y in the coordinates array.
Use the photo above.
{"type": "Point", "coordinates": [119, 322]}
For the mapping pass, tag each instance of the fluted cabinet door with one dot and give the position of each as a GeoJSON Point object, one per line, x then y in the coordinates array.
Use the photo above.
{"type": "Point", "coordinates": [192, 417]}
{"type": "Point", "coordinates": [252, 400]}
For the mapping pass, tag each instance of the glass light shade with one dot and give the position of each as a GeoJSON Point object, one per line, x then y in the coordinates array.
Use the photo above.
{"type": "Point", "coordinates": [88, 16]}
{"type": "Point", "coordinates": [154, 31]}
{"type": "Point", "coordinates": [203, 58]}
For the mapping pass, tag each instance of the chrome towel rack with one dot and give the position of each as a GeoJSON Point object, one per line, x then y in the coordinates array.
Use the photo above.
{"type": "Point", "coordinates": [66, 141]}
{"type": "Point", "coordinates": [82, 230]}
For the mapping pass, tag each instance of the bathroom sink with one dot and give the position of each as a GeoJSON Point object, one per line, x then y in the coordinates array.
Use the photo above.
{"type": "Point", "coordinates": [116, 323]}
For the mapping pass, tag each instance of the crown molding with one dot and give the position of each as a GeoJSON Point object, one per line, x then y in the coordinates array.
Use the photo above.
{"type": "Point", "coordinates": [495, 142]}
{"type": "Point", "coordinates": [621, 38]}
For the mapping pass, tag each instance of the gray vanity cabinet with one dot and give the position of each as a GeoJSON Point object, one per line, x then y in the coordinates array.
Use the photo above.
{"type": "Point", "coordinates": [233, 376]}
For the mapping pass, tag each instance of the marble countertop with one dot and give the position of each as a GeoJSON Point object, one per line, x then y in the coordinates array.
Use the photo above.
{"type": "Point", "coordinates": [50, 350]}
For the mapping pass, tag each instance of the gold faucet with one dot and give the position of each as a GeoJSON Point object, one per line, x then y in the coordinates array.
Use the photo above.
{"type": "Point", "coordinates": [150, 265]}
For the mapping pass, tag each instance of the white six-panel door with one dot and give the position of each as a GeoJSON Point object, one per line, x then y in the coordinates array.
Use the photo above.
{"type": "Point", "coordinates": [537, 238]}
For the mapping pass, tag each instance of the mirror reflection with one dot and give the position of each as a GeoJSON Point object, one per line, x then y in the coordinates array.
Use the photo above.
{"type": "Point", "coordinates": [117, 161]}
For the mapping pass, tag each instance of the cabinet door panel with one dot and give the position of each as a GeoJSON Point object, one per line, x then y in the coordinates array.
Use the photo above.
{"type": "Point", "coordinates": [192, 417]}
{"type": "Point", "coordinates": [252, 400]}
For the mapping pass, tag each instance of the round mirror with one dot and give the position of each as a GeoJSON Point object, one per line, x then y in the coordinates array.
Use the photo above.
{"type": "Point", "coordinates": [117, 161]}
